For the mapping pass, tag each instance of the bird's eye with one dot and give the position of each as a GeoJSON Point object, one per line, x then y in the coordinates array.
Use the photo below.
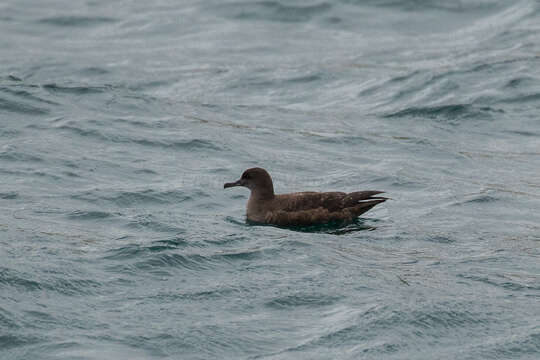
{"type": "Point", "coordinates": [246, 176]}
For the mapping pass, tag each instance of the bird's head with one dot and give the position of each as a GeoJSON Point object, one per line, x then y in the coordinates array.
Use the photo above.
{"type": "Point", "coordinates": [257, 180]}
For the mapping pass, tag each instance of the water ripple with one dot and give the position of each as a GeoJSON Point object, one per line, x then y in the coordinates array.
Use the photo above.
{"type": "Point", "coordinates": [89, 215]}
{"type": "Point", "coordinates": [133, 198]}
{"type": "Point", "coordinates": [189, 262]}
{"type": "Point", "coordinates": [186, 145]}
{"type": "Point", "coordinates": [66, 286]}
{"type": "Point", "coordinates": [450, 112]}
{"type": "Point", "coordinates": [308, 300]}
{"type": "Point", "coordinates": [76, 90]}
{"type": "Point", "coordinates": [135, 250]}
{"type": "Point", "coordinates": [9, 195]}
{"type": "Point", "coordinates": [272, 11]}
{"type": "Point", "coordinates": [148, 222]}
{"type": "Point", "coordinates": [503, 281]}
{"type": "Point", "coordinates": [7, 319]}
{"type": "Point", "coordinates": [21, 108]}
{"type": "Point", "coordinates": [13, 341]}
{"type": "Point", "coordinates": [26, 95]}
{"type": "Point", "coordinates": [76, 21]}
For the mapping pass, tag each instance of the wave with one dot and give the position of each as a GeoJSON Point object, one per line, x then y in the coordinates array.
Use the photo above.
{"type": "Point", "coordinates": [19, 97]}
{"type": "Point", "coordinates": [479, 198]}
{"type": "Point", "coordinates": [7, 319]}
{"type": "Point", "coordinates": [94, 70]}
{"type": "Point", "coordinates": [213, 294]}
{"type": "Point", "coordinates": [345, 139]}
{"type": "Point", "coordinates": [130, 198]}
{"type": "Point", "coordinates": [148, 222]}
{"type": "Point", "coordinates": [76, 90]}
{"type": "Point", "coordinates": [9, 195]}
{"type": "Point", "coordinates": [135, 250]}
{"type": "Point", "coordinates": [188, 262]}
{"type": "Point", "coordinates": [63, 285]}
{"type": "Point", "coordinates": [522, 98]}
{"type": "Point", "coordinates": [424, 5]}
{"type": "Point", "coordinates": [446, 112]}
{"type": "Point", "coordinates": [432, 321]}
{"type": "Point", "coordinates": [26, 95]}
{"type": "Point", "coordinates": [524, 343]}
{"type": "Point", "coordinates": [11, 154]}
{"type": "Point", "coordinates": [309, 300]}
{"type": "Point", "coordinates": [272, 11]}
{"type": "Point", "coordinates": [89, 215]}
{"type": "Point", "coordinates": [9, 341]}
{"type": "Point", "coordinates": [187, 144]}
{"type": "Point", "coordinates": [505, 281]}
{"type": "Point", "coordinates": [21, 108]}
{"type": "Point", "coordinates": [178, 252]}
{"type": "Point", "coordinates": [77, 21]}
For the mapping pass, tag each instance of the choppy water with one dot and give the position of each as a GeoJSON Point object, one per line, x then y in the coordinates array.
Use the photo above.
{"type": "Point", "coordinates": [121, 120]}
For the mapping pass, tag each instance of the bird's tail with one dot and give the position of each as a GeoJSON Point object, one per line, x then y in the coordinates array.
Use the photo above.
{"type": "Point", "coordinates": [366, 204]}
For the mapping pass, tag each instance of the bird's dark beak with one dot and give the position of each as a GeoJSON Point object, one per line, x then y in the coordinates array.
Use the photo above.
{"type": "Point", "coordinates": [231, 184]}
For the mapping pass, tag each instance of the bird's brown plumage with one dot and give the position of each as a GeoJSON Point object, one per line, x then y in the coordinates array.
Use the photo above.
{"type": "Point", "coordinates": [303, 208]}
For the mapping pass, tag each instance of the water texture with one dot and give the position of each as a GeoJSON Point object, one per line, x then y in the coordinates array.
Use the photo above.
{"type": "Point", "coordinates": [121, 120]}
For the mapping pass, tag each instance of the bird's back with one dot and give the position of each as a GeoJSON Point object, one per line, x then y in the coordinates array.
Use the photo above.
{"type": "Point", "coordinates": [308, 208]}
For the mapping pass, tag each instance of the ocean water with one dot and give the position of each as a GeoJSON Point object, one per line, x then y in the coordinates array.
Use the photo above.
{"type": "Point", "coordinates": [121, 120]}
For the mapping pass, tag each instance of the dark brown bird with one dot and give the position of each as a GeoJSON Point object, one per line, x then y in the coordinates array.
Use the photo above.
{"type": "Point", "coordinates": [302, 208]}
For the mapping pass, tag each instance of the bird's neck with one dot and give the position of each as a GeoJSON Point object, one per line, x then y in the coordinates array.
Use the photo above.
{"type": "Point", "coordinates": [266, 193]}
{"type": "Point", "coordinates": [259, 203]}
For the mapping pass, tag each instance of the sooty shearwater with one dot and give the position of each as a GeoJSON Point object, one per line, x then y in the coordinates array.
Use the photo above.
{"type": "Point", "coordinates": [302, 208]}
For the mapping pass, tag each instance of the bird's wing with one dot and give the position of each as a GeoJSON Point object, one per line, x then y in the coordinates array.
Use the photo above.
{"type": "Point", "coordinates": [329, 201]}
{"type": "Point", "coordinates": [319, 215]}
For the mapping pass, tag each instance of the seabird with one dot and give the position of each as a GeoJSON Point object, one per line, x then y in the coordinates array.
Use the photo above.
{"type": "Point", "coordinates": [301, 208]}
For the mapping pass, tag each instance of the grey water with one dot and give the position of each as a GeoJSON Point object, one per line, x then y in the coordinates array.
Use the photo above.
{"type": "Point", "coordinates": [121, 120]}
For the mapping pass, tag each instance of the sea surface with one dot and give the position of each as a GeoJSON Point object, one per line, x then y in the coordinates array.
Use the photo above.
{"type": "Point", "coordinates": [121, 120]}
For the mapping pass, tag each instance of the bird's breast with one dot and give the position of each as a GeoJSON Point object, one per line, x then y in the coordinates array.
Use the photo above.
{"type": "Point", "coordinates": [257, 209]}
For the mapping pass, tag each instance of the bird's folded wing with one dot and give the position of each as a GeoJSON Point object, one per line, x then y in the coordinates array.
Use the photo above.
{"type": "Point", "coordinates": [330, 201]}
